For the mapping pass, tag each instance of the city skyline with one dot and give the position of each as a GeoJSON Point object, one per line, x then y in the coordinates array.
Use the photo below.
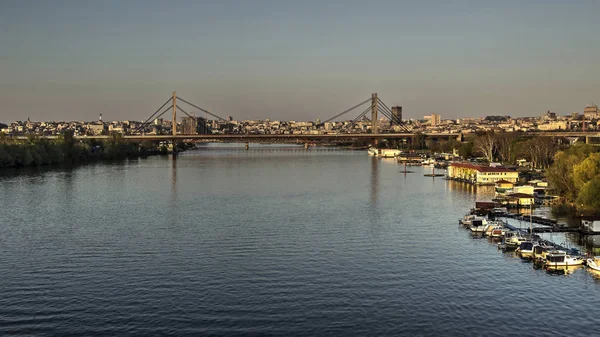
{"type": "Point", "coordinates": [297, 61]}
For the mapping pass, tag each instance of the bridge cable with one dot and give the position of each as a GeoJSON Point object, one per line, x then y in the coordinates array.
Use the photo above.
{"type": "Point", "coordinates": [203, 110]}
{"type": "Point", "coordinates": [177, 106]}
{"type": "Point", "coordinates": [152, 116]}
{"type": "Point", "coordinates": [146, 123]}
{"type": "Point", "coordinates": [386, 112]}
{"type": "Point", "coordinates": [347, 111]}
{"type": "Point", "coordinates": [361, 115]}
{"type": "Point", "coordinates": [394, 118]}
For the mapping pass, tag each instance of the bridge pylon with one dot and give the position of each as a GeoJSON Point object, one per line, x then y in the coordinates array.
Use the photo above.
{"type": "Point", "coordinates": [374, 111]}
{"type": "Point", "coordinates": [174, 125]}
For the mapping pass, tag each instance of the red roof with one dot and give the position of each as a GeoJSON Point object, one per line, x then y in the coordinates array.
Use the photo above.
{"type": "Point", "coordinates": [481, 168]}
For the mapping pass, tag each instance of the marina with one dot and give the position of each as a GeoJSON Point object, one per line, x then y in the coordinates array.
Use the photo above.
{"type": "Point", "coordinates": [527, 244]}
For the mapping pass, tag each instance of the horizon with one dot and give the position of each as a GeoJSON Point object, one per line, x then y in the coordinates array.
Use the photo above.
{"type": "Point", "coordinates": [297, 61]}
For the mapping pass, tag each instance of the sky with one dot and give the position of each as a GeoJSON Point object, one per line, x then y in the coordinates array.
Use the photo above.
{"type": "Point", "coordinates": [296, 60]}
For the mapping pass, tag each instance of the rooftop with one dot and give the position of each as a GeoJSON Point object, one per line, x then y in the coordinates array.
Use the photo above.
{"type": "Point", "coordinates": [481, 168]}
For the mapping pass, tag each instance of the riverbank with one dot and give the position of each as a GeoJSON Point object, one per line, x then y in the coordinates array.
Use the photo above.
{"type": "Point", "coordinates": [66, 150]}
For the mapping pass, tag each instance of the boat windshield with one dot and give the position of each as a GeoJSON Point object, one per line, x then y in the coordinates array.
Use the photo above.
{"type": "Point", "coordinates": [555, 258]}
{"type": "Point", "coordinates": [526, 245]}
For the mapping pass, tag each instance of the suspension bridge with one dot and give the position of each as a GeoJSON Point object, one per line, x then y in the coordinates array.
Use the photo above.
{"type": "Point", "coordinates": [370, 109]}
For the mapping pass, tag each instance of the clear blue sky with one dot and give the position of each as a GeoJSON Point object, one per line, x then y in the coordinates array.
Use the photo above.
{"type": "Point", "coordinates": [65, 60]}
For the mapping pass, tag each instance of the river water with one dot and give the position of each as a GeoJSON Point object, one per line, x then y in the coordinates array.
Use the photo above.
{"type": "Point", "coordinates": [276, 241]}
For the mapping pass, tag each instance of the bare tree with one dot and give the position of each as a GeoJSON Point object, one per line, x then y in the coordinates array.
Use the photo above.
{"type": "Point", "coordinates": [485, 144]}
{"type": "Point", "coordinates": [504, 145]}
{"type": "Point", "coordinates": [540, 150]}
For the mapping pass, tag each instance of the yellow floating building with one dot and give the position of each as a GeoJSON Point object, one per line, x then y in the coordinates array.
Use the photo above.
{"type": "Point", "coordinates": [481, 175]}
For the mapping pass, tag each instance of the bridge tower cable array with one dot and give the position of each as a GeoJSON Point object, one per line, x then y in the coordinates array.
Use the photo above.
{"type": "Point", "coordinates": [377, 106]}
{"type": "Point", "coordinates": [154, 116]}
{"type": "Point", "coordinates": [174, 107]}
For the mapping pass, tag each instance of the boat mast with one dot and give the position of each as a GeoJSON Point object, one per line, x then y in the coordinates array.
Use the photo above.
{"type": "Point", "coordinates": [531, 221]}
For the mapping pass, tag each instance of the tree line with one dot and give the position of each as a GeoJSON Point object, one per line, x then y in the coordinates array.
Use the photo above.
{"type": "Point", "coordinates": [492, 146]}
{"type": "Point", "coordinates": [66, 149]}
{"type": "Point", "coordinates": [575, 174]}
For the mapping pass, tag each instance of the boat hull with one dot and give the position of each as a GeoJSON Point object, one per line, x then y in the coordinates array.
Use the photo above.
{"type": "Point", "coordinates": [591, 263]}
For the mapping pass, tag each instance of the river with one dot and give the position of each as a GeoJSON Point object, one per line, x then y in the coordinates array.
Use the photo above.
{"type": "Point", "coordinates": [276, 241]}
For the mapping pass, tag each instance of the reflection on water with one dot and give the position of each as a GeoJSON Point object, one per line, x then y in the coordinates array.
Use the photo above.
{"type": "Point", "coordinates": [374, 181]}
{"type": "Point", "coordinates": [276, 240]}
{"type": "Point", "coordinates": [483, 193]}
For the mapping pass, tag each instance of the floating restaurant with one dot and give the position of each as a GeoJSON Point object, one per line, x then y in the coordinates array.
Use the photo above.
{"type": "Point", "coordinates": [481, 175]}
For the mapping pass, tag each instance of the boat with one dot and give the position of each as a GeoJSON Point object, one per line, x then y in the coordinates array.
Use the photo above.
{"type": "Point", "coordinates": [540, 250]}
{"type": "Point", "coordinates": [559, 258]}
{"type": "Point", "coordinates": [498, 232]}
{"type": "Point", "coordinates": [525, 250]}
{"type": "Point", "coordinates": [478, 225]}
{"type": "Point", "coordinates": [467, 219]}
{"type": "Point", "coordinates": [499, 210]}
{"type": "Point", "coordinates": [494, 225]}
{"type": "Point", "coordinates": [593, 263]}
{"type": "Point", "coordinates": [512, 240]}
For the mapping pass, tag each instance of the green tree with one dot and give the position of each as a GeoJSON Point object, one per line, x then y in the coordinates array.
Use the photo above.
{"type": "Point", "coordinates": [561, 174]}
{"type": "Point", "coordinates": [589, 196]}
{"type": "Point", "coordinates": [586, 170]}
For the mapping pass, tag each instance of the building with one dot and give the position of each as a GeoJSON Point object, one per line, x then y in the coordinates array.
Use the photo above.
{"type": "Point", "coordinates": [519, 200]}
{"type": "Point", "coordinates": [434, 119]}
{"type": "Point", "coordinates": [396, 114]}
{"type": "Point", "coordinates": [556, 125]}
{"type": "Point", "coordinates": [96, 128]}
{"type": "Point", "coordinates": [189, 125]}
{"type": "Point", "coordinates": [481, 175]}
{"type": "Point", "coordinates": [591, 112]}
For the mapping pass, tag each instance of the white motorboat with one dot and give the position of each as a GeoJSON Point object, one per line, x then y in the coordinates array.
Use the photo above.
{"type": "Point", "coordinates": [494, 225]}
{"type": "Point", "coordinates": [478, 225]}
{"type": "Point", "coordinates": [466, 220]}
{"type": "Point", "coordinates": [559, 258]}
{"type": "Point", "coordinates": [593, 263]}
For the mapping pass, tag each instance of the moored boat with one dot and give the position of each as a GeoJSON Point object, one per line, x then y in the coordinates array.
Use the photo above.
{"type": "Point", "coordinates": [540, 250]}
{"type": "Point", "coordinates": [478, 225]}
{"type": "Point", "coordinates": [512, 240]}
{"type": "Point", "coordinates": [467, 220]}
{"type": "Point", "coordinates": [559, 258]}
{"type": "Point", "coordinates": [593, 263]}
{"type": "Point", "coordinates": [525, 250]}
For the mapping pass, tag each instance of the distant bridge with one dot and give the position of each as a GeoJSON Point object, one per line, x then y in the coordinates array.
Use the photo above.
{"type": "Point", "coordinates": [250, 138]}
